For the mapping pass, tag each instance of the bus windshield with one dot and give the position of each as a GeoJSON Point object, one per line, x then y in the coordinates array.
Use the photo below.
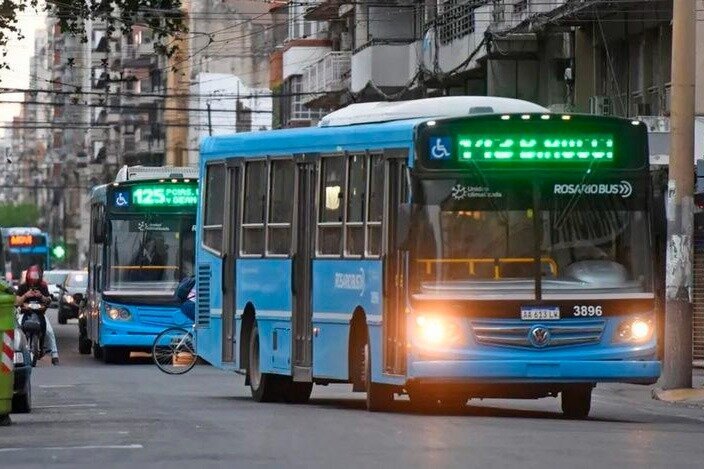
{"type": "Point", "coordinates": [151, 253]}
{"type": "Point", "coordinates": [584, 247]}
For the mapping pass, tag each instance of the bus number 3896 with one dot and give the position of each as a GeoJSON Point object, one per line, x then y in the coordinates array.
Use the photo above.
{"type": "Point", "coordinates": [587, 311]}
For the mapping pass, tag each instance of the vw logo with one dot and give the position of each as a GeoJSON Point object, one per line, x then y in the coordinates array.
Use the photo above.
{"type": "Point", "coordinates": [539, 336]}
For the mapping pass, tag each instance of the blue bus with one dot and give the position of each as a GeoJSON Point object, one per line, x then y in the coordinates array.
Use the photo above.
{"type": "Point", "coordinates": [447, 249]}
{"type": "Point", "coordinates": [142, 241]}
{"type": "Point", "coordinates": [22, 247]}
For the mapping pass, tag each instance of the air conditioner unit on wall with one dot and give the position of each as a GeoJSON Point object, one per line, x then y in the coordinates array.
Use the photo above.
{"type": "Point", "coordinates": [600, 105]}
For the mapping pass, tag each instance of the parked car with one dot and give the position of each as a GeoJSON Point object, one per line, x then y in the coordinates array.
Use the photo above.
{"type": "Point", "coordinates": [73, 290]}
{"type": "Point", "coordinates": [22, 395]}
{"type": "Point", "coordinates": [53, 279]}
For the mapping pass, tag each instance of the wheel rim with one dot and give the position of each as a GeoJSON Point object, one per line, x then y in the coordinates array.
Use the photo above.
{"type": "Point", "coordinates": [255, 374]}
{"type": "Point", "coordinates": [174, 351]}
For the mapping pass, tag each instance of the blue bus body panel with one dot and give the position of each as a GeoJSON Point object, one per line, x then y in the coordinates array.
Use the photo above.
{"type": "Point", "coordinates": [266, 284]}
{"type": "Point", "coordinates": [142, 329]}
{"type": "Point", "coordinates": [340, 286]}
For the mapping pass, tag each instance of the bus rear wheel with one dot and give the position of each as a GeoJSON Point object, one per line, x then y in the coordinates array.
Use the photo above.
{"type": "Point", "coordinates": [379, 396]}
{"type": "Point", "coordinates": [265, 387]}
{"type": "Point", "coordinates": [576, 401]}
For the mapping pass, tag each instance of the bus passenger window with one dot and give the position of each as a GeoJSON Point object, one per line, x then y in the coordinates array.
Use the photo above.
{"type": "Point", "coordinates": [214, 206]}
{"type": "Point", "coordinates": [280, 207]}
{"type": "Point", "coordinates": [255, 190]}
{"type": "Point", "coordinates": [331, 195]}
{"type": "Point", "coordinates": [376, 205]}
{"type": "Point", "coordinates": [356, 198]}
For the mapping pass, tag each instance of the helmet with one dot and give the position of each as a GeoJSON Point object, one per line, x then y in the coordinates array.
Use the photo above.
{"type": "Point", "coordinates": [34, 275]}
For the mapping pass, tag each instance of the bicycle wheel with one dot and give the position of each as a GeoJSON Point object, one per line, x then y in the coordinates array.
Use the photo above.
{"type": "Point", "coordinates": [174, 351]}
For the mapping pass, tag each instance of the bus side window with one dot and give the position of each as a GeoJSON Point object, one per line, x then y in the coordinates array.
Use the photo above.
{"type": "Point", "coordinates": [280, 207]}
{"type": "Point", "coordinates": [255, 190]}
{"type": "Point", "coordinates": [332, 180]}
{"type": "Point", "coordinates": [375, 211]}
{"type": "Point", "coordinates": [356, 201]}
{"type": "Point", "coordinates": [214, 206]}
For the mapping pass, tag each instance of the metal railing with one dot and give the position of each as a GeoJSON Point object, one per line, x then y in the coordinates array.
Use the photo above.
{"type": "Point", "coordinates": [327, 75]}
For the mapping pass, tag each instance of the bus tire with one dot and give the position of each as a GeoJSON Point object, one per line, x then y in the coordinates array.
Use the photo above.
{"type": "Point", "coordinates": [97, 351]}
{"type": "Point", "coordinates": [115, 355]}
{"type": "Point", "coordinates": [379, 397]}
{"type": "Point", "coordinates": [84, 345]}
{"type": "Point", "coordinates": [265, 387]}
{"type": "Point", "coordinates": [297, 392]}
{"type": "Point", "coordinates": [576, 401]}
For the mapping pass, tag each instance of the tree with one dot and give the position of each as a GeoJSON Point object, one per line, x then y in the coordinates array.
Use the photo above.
{"type": "Point", "coordinates": [164, 17]}
{"type": "Point", "coordinates": [18, 215]}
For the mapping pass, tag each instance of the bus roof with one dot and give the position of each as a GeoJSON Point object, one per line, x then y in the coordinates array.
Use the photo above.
{"type": "Point", "coordinates": [20, 230]}
{"type": "Point", "coordinates": [140, 173]}
{"type": "Point", "coordinates": [361, 126]}
{"type": "Point", "coordinates": [428, 108]}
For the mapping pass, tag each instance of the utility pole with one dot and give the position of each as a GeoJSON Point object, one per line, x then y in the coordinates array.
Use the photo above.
{"type": "Point", "coordinates": [210, 121]}
{"type": "Point", "coordinates": [677, 372]}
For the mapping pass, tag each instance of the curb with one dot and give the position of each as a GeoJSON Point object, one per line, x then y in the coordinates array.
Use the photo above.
{"type": "Point", "coordinates": [685, 395]}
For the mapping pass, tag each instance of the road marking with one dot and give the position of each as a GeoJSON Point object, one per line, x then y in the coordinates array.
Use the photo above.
{"type": "Point", "coordinates": [63, 448]}
{"type": "Point", "coordinates": [50, 386]}
{"type": "Point", "coordinates": [64, 405]}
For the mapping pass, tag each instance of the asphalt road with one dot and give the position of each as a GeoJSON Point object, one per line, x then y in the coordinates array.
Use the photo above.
{"type": "Point", "coordinates": [94, 415]}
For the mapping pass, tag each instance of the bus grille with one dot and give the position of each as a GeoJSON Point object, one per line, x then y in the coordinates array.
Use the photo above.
{"type": "Point", "coordinates": [517, 334]}
{"type": "Point", "coordinates": [203, 296]}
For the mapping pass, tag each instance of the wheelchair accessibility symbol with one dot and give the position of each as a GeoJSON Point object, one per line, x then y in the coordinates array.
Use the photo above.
{"type": "Point", "coordinates": [440, 148]}
{"type": "Point", "coordinates": [121, 200]}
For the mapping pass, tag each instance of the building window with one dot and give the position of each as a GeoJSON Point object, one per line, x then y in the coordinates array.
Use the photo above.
{"type": "Point", "coordinates": [254, 213]}
{"type": "Point", "coordinates": [456, 19]}
{"type": "Point", "coordinates": [280, 207]}
{"type": "Point", "coordinates": [214, 206]}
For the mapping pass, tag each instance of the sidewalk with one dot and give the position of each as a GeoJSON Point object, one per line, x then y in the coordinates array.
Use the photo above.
{"type": "Point", "coordinates": [653, 396]}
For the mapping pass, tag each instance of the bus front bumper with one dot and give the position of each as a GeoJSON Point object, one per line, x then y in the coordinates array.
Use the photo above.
{"type": "Point", "coordinates": [137, 335]}
{"type": "Point", "coordinates": [624, 371]}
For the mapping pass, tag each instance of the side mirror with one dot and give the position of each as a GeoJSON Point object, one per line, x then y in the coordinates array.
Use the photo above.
{"type": "Point", "coordinates": [403, 226]}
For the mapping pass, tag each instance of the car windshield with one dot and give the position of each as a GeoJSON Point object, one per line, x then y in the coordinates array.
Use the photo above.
{"type": "Point", "coordinates": [77, 280]}
{"type": "Point", "coordinates": [150, 253]}
{"type": "Point", "coordinates": [53, 278]}
{"type": "Point", "coordinates": [584, 247]}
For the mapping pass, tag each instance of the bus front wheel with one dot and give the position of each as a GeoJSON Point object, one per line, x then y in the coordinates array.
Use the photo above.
{"type": "Point", "coordinates": [576, 401]}
{"type": "Point", "coordinates": [265, 387]}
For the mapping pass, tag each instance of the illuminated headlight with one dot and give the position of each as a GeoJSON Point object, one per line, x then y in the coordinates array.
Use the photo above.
{"type": "Point", "coordinates": [18, 358]}
{"type": "Point", "coordinates": [119, 314]}
{"type": "Point", "coordinates": [436, 330]}
{"type": "Point", "coordinates": [68, 299]}
{"type": "Point", "coordinates": [636, 330]}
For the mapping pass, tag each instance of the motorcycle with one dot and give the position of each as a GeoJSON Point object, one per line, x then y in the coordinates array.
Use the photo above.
{"type": "Point", "coordinates": [31, 324]}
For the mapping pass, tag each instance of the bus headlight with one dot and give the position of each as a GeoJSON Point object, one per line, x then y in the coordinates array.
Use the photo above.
{"type": "Point", "coordinates": [436, 330]}
{"type": "Point", "coordinates": [636, 330]}
{"type": "Point", "coordinates": [119, 314]}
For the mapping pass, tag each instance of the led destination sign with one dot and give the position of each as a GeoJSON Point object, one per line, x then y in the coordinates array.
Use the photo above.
{"type": "Point", "coordinates": [526, 143]}
{"type": "Point", "coordinates": [21, 240]}
{"type": "Point", "coordinates": [520, 148]}
{"type": "Point", "coordinates": [156, 195]}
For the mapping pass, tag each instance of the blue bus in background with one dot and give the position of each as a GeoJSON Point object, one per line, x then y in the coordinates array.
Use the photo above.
{"type": "Point", "coordinates": [22, 247]}
{"type": "Point", "coordinates": [142, 243]}
{"type": "Point", "coordinates": [446, 248]}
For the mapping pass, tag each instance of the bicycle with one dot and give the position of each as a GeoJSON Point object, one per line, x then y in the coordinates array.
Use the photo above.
{"type": "Point", "coordinates": [174, 350]}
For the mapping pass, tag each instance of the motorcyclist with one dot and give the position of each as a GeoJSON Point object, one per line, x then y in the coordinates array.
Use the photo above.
{"type": "Point", "coordinates": [34, 287]}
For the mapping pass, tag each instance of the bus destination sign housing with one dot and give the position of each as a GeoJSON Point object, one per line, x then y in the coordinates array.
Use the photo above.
{"type": "Point", "coordinates": [22, 240]}
{"type": "Point", "coordinates": [155, 195]}
{"type": "Point", "coordinates": [530, 141]}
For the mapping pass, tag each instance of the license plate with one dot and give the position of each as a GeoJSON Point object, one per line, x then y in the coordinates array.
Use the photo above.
{"type": "Point", "coordinates": [540, 313]}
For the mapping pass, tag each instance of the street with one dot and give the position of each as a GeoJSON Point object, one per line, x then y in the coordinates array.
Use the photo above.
{"type": "Point", "coordinates": [92, 414]}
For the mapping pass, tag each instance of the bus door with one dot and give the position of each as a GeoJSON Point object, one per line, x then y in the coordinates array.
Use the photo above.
{"type": "Point", "coordinates": [301, 278]}
{"type": "Point", "coordinates": [393, 315]}
{"type": "Point", "coordinates": [229, 256]}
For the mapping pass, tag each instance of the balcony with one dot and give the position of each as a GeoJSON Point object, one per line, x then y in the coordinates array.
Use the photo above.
{"type": "Point", "coordinates": [384, 63]}
{"type": "Point", "coordinates": [328, 79]}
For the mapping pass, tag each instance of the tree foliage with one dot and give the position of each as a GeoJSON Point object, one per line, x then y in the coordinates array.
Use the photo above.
{"type": "Point", "coordinates": [25, 214]}
{"type": "Point", "coordinates": [164, 17]}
